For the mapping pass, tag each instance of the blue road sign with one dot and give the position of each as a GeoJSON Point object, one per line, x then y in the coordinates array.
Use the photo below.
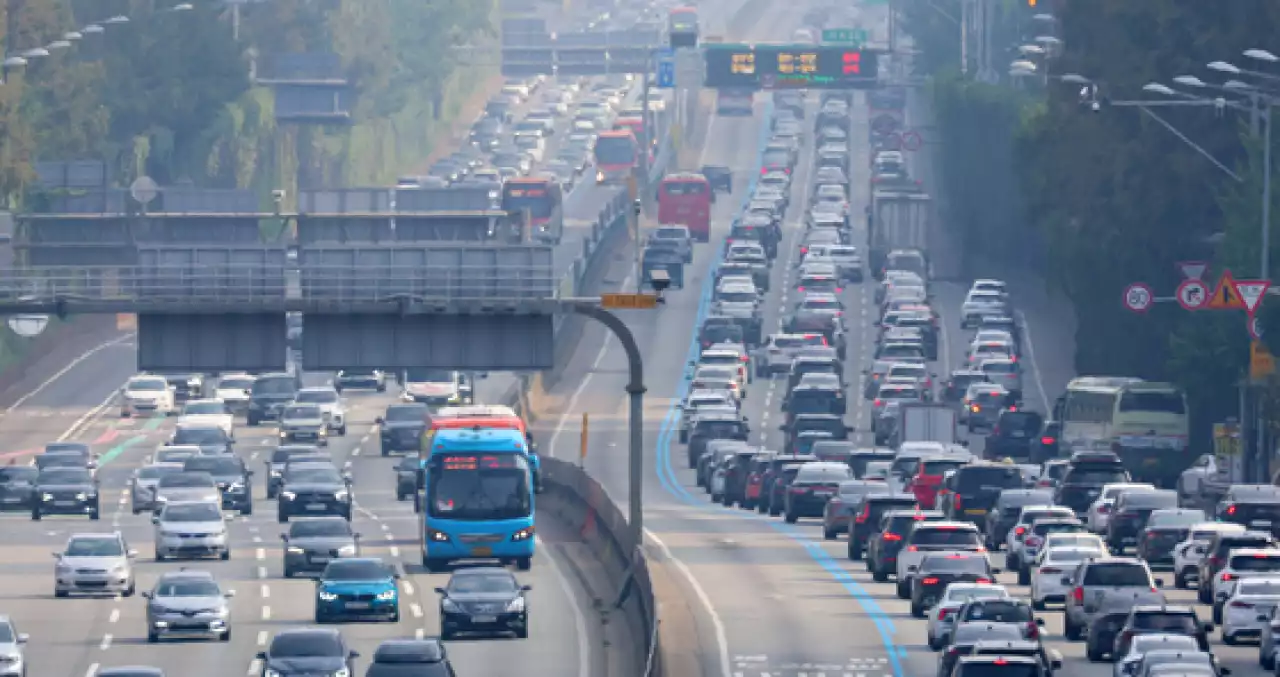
{"type": "Point", "coordinates": [666, 74]}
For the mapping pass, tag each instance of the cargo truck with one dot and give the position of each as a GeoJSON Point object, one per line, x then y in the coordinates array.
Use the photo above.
{"type": "Point", "coordinates": [898, 219]}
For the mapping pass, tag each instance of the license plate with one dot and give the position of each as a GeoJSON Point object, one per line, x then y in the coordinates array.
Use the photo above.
{"type": "Point", "coordinates": [484, 619]}
{"type": "Point", "coordinates": [482, 552]}
{"type": "Point", "coordinates": [822, 493]}
{"type": "Point", "coordinates": [975, 511]}
{"type": "Point", "coordinates": [1261, 524]}
{"type": "Point", "coordinates": [1019, 433]}
{"type": "Point", "coordinates": [316, 506]}
{"type": "Point", "coordinates": [64, 504]}
{"type": "Point", "coordinates": [358, 605]}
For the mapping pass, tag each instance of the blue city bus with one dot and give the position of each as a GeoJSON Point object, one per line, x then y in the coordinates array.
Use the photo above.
{"type": "Point", "coordinates": [477, 498]}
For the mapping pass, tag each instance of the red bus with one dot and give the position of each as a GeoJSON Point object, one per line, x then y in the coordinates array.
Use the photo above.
{"type": "Point", "coordinates": [617, 154]}
{"type": "Point", "coordinates": [682, 27]}
{"type": "Point", "coordinates": [541, 198]}
{"type": "Point", "coordinates": [685, 200]}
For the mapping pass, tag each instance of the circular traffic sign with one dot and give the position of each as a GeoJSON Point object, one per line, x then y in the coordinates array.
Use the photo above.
{"type": "Point", "coordinates": [1255, 328]}
{"type": "Point", "coordinates": [1192, 294]}
{"type": "Point", "coordinates": [912, 141]}
{"type": "Point", "coordinates": [1138, 297]}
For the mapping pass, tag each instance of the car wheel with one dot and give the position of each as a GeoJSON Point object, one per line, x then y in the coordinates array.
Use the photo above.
{"type": "Point", "coordinates": [282, 517]}
{"type": "Point", "coordinates": [903, 591]}
{"type": "Point", "coordinates": [1179, 580]}
{"type": "Point", "coordinates": [94, 515]}
{"type": "Point", "coordinates": [342, 432]}
{"type": "Point", "coordinates": [1071, 630]}
{"type": "Point", "coordinates": [225, 554]}
{"type": "Point", "coordinates": [828, 534]}
{"type": "Point", "coordinates": [791, 518]}
{"type": "Point", "coordinates": [152, 637]}
{"type": "Point", "coordinates": [226, 636]}
{"type": "Point", "coordinates": [917, 611]}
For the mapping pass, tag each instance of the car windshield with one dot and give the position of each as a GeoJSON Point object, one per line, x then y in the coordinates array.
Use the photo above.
{"type": "Point", "coordinates": [940, 467]}
{"type": "Point", "coordinates": [277, 385]}
{"type": "Point", "coordinates": [94, 547]}
{"type": "Point", "coordinates": [317, 397]}
{"type": "Point", "coordinates": [998, 611]}
{"type": "Point", "coordinates": [994, 669]}
{"type": "Point", "coordinates": [6, 633]}
{"type": "Point", "coordinates": [406, 414]}
{"type": "Point", "coordinates": [302, 411]}
{"type": "Point", "coordinates": [936, 536]}
{"type": "Point", "coordinates": [1095, 476]}
{"type": "Point", "coordinates": [319, 528]}
{"type": "Point", "coordinates": [199, 436]}
{"type": "Point", "coordinates": [235, 383]}
{"type": "Point", "coordinates": [186, 588]}
{"type": "Point", "coordinates": [305, 645]}
{"type": "Point", "coordinates": [1171, 622]}
{"type": "Point", "coordinates": [1255, 562]}
{"type": "Point", "coordinates": [1162, 402]}
{"type": "Point", "coordinates": [214, 465]}
{"type": "Point", "coordinates": [356, 570]}
{"type": "Point", "coordinates": [76, 476]}
{"type": "Point", "coordinates": [186, 479]}
{"type": "Point", "coordinates": [955, 565]}
{"type": "Point", "coordinates": [59, 460]}
{"type": "Point", "coordinates": [719, 429]}
{"type": "Point", "coordinates": [1155, 642]}
{"type": "Point", "coordinates": [148, 385]}
{"type": "Point", "coordinates": [195, 512]}
{"type": "Point", "coordinates": [173, 456]}
{"type": "Point", "coordinates": [993, 478]}
{"type": "Point", "coordinates": [472, 583]}
{"type": "Point", "coordinates": [1181, 519]}
{"type": "Point", "coordinates": [1149, 500]}
{"type": "Point", "coordinates": [328, 476]}
{"type": "Point", "coordinates": [1118, 575]}
{"type": "Point", "coordinates": [957, 594]}
{"type": "Point", "coordinates": [204, 408]}
{"type": "Point", "coordinates": [823, 473]}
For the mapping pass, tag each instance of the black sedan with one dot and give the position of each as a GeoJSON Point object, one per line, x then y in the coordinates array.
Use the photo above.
{"type": "Point", "coordinates": [483, 600]}
{"type": "Point", "coordinates": [232, 478]}
{"type": "Point", "coordinates": [311, 544]}
{"type": "Point", "coordinates": [401, 427]}
{"type": "Point", "coordinates": [303, 652]}
{"type": "Point", "coordinates": [66, 491]}
{"type": "Point", "coordinates": [312, 490]}
{"type": "Point", "coordinates": [936, 572]}
{"type": "Point", "coordinates": [18, 487]}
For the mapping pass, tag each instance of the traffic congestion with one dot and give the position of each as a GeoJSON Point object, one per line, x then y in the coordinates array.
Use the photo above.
{"type": "Point", "coordinates": [835, 389]}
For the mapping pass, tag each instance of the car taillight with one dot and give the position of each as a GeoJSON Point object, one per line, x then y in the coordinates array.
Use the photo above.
{"type": "Point", "coordinates": [862, 517]}
{"type": "Point", "coordinates": [912, 548]}
{"type": "Point", "coordinates": [995, 431]}
{"type": "Point", "coordinates": [958, 502]}
{"type": "Point", "coordinates": [888, 536]}
{"type": "Point", "coordinates": [1033, 541]}
{"type": "Point", "coordinates": [1104, 509]}
{"type": "Point", "coordinates": [986, 581]}
{"type": "Point", "coordinates": [953, 651]}
{"type": "Point", "coordinates": [1019, 531]}
{"type": "Point", "coordinates": [1047, 440]}
{"type": "Point", "coordinates": [1013, 408]}
{"type": "Point", "coordinates": [1226, 576]}
{"type": "Point", "coordinates": [1231, 510]}
{"type": "Point", "coordinates": [932, 580]}
{"type": "Point", "coordinates": [745, 358]}
{"type": "Point", "coordinates": [878, 402]}
{"type": "Point", "coordinates": [975, 408]}
{"type": "Point", "coordinates": [943, 614]}
{"type": "Point", "coordinates": [800, 289]}
{"type": "Point", "coordinates": [1241, 605]}
{"type": "Point", "coordinates": [1050, 570]}
{"type": "Point", "coordinates": [1078, 595]}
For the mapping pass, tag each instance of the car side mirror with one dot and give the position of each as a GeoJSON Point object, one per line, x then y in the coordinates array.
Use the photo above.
{"type": "Point", "coordinates": [1159, 582]}
{"type": "Point", "coordinates": [23, 638]}
{"type": "Point", "coordinates": [1056, 663]}
{"type": "Point", "coordinates": [1224, 671]}
{"type": "Point", "coordinates": [353, 653]}
{"type": "Point", "coordinates": [146, 595]}
{"type": "Point", "coordinates": [346, 477]}
{"type": "Point", "coordinates": [1208, 626]}
{"type": "Point", "coordinates": [441, 592]}
{"type": "Point", "coordinates": [1040, 622]}
{"type": "Point", "coordinates": [155, 519]}
{"type": "Point", "coordinates": [131, 553]}
{"type": "Point", "coordinates": [912, 568]}
{"type": "Point", "coordinates": [995, 571]}
{"type": "Point", "coordinates": [356, 536]}
{"type": "Point", "coordinates": [783, 428]}
{"type": "Point", "coordinates": [284, 537]}
{"type": "Point", "coordinates": [229, 594]}
{"type": "Point", "coordinates": [56, 555]}
{"type": "Point", "coordinates": [261, 655]}
{"type": "Point", "coordinates": [526, 588]}
{"type": "Point", "coordinates": [379, 420]}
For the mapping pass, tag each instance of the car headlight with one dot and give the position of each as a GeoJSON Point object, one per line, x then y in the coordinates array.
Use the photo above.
{"type": "Point", "coordinates": [277, 473]}
{"type": "Point", "coordinates": [516, 606]}
{"type": "Point", "coordinates": [82, 496]}
{"type": "Point", "coordinates": [327, 596]}
{"type": "Point", "coordinates": [46, 497]}
{"type": "Point", "coordinates": [342, 672]}
{"type": "Point", "coordinates": [288, 495]}
{"type": "Point", "coordinates": [237, 486]}
{"type": "Point", "coordinates": [386, 595]}
{"type": "Point", "coordinates": [523, 534]}
{"type": "Point", "coordinates": [273, 673]}
{"type": "Point", "coordinates": [450, 606]}
{"type": "Point", "coordinates": [341, 495]}
{"type": "Point", "coordinates": [347, 551]}
{"type": "Point", "coordinates": [118, 569]}
{"type": "Point", "coordinates": [295, 550]}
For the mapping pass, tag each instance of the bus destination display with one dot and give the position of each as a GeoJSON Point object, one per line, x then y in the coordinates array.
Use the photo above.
{"type": "Point", "coordinates": [480, 461]}
{"type": "Point", "coordinates": [790, 67]}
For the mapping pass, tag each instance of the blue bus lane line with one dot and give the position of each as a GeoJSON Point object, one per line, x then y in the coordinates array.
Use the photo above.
{"type": "Point", "coordinates": [670, 482]}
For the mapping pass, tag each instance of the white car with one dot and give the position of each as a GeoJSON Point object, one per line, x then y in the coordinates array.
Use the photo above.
{"type": "Point", "coordinates": [719, 373]}
{"type": "Point", "coordinates": [234, 389]}
{"type": "Point", "coordinates": [980, 303]}
{"type": "Point", "coordinates": [931, 538]}
{"type": "Point", "coordinates": [145, 395]}
{"type": "Point", "coordinates": [1242, 564]}
{"type": "Point", "coordinates": [1014, 546]}
{"type": "Point", "coordinates": [191, 529]}
{"type": "Point", "coordinates": [1188, 553]}
{"type": "Point", "coordinates": [1126, 665]}
{"type": "Point", "coordinates": [1076, 540]}
{"type": "Point", "coordinates": [1248, 610]}
{"type": "Point", "coordinates": [942, 616]}
{"type": "Point", "coordinates": [208, 413]}
{"type": "Point", "coordinates": [1098, 516]}
{"type": "Point", "coordinates": [1050, 567]}
{"type": "Point", "coordinates": [993, 286]}
{"type": "Point", "coordinates": [331, 407]}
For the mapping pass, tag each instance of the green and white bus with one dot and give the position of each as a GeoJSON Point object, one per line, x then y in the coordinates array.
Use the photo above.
{"type": "Point", "coordinates": [1144, 422]}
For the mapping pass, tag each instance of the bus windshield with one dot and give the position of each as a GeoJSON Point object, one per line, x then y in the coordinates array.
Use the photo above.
{"type": "Point", "coordinates": [478, 486]}
{"type": "Point", "coordinates": [1168, 402]}
{"type": "Point", "coordinates": [539, 199]}
{"type": "Point", "coordinates": [684, 188]}
{"type": "Point", "coordinates": [616, 150]}
{"type": "Point", "coordinates": [428, 376]}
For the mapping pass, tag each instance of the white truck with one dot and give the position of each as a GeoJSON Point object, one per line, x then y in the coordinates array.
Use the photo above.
{"type": "Point", "coordinates": [899, 219]}
{"type": "Point", "coordinates": [927, 422]}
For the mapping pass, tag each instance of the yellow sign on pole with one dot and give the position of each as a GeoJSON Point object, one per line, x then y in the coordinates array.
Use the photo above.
{"type": "Point", "coordinates": [629, 301]}
{"type": "Point", "coordinates": [582, 457]}
{"type": "Point", "coordinates": [1226, 440]}
{"type": "Point", "coordinates": [126, 322]}
{"type": "Point", "coordinates": [1261, 362]}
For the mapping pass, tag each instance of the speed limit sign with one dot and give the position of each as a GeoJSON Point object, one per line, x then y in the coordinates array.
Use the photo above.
{"type": "Point", "coordinates": [1138, 297]}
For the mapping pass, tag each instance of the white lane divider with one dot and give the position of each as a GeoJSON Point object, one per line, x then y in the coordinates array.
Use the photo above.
{"type": "Point", "coordinates": [262, 572]}
{"type": "Point", "coordinates": [106, 642]}
{"type": "Point", "coordinates": [408, 587]}
{"type": "Point", "coordinates": [255, 668]}
{"type": "Point", "coordinates": [266, 591]}
{"type": "Point", "coordinates": [115, 616]}
{"type": "Point", "coordinates": [262, 554]}
{"type": "Point", "coordinates": [416, 609]}
{"type": "Point", "coordinates": [263, 636]}
{"type": "Point", "coordinates": [395, 551]}
{"type": "Point", "coordinates": [93, 670]}
{"type": "Point", "coordinates": [266, 613]}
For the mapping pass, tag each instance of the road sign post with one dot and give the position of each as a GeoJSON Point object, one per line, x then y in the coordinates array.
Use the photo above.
{"type": "Point", "coordinates": [1138, 297]}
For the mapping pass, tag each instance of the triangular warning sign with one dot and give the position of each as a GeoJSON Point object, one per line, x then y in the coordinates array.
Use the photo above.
{"type": "Point", "coordinates": [1251, 292]}
{"type": "Point", "coordinates": [1225, 296]}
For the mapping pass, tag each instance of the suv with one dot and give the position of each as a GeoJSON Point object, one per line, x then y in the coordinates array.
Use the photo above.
{"type": "Point", "coordinates": [813, 486]}
{"type": "Point", "coordinates": [1131, 512]}
{"type": "Point", "coordinates": [1242, 563]}
{"type": "Point", "coordinates": [331, 406]}
{"type": "Point", "coordinates": [977, 487]}
{"type": "Point", "coordinates": [401, 427]}
{"type": "Point", "coordinates": [232, 477]}
{"type": "Point", "coordinates": [188, 604]}
{"type": "Point", "coordinates": [1255, 507]}
{"type": "Point", "coordinates": [714, 426]}
{"type": "Point", "coordinates": [933, 537]}
{"type": "Point", "coordinates": [1013, 434]}
{"type": "Point", "coordinates": [1086, 475]}
{"type": "Point", "coordinates": [1036, 537]}
{"type": "Point", "coordinates": [1161, 619]}
{"type": "Point", "coordinates": [94, 564]}
{"type": "Point", "coordinates": [884, 545]}
{"type": "Point", "coordinates": [1215, 557]}
{"type": "Point", "coordinates": [1102, 584]}
{"type": "Point", "coordinates": [1004, 516]}
{"type": "Point", "coordinates": [270, 394]}
{"type": "Point", "coordinates": [867, 519]}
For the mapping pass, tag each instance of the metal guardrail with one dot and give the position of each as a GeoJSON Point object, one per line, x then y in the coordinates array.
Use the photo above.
{"type": "Point", "coordinates": [259, 286]}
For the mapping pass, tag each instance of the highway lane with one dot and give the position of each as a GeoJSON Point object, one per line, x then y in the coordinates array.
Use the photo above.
{"type": "Point", "coordinates": [77, 636]}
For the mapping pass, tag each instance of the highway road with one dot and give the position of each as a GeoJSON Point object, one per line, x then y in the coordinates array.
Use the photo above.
{"type": "Point", "coordinates": [776, 600]}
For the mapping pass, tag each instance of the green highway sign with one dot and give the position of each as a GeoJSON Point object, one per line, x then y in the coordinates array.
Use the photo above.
{"type": "Point", "coordinates": [845, 36]}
